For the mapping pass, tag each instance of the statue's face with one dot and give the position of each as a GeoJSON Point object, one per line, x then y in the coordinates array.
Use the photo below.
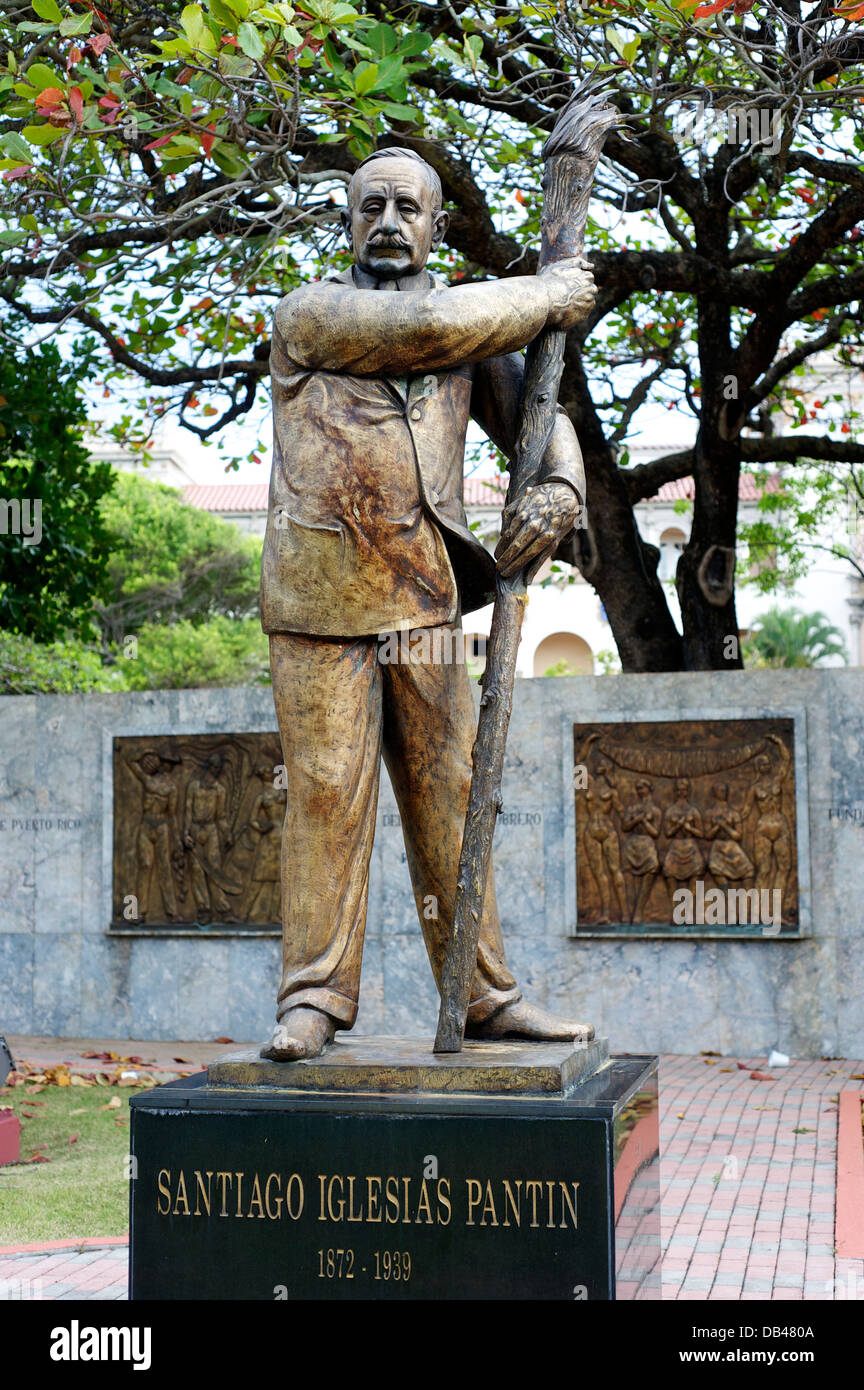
{"type": "Point", "coordinates": [392, 224]}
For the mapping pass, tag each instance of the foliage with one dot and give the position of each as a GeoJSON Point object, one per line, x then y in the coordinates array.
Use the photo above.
{"type": "Point", "coordinates": [788, 637]}
{"type": "Point", "coordinates": [802, 514]}
{"type": "Point", "coordinates": [53, 546]}
{"type": "Point", "coordinates": [221, 652]}
{"type": "Point", "coordinates": [65, 667]}
{"type": "Point", "coordinates": [172, 172]}
{"type": "Point", "coordinates": [172, 562]}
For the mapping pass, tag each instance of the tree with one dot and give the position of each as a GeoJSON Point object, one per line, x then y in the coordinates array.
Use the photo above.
{"type": "Point", "coordinates": [53, 544]}
{"type": "Point", "coordinates": [172, 174]}
{"type": "Point", "coordinates": [788, 637]}
{"type": "Point", "coordinates": [172, 563]}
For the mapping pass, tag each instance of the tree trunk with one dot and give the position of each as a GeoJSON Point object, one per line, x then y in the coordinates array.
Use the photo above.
{"type": "Point", "coordinates": [610, 553]}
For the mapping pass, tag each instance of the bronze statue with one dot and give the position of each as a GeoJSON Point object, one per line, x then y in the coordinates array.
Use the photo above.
{"type": "Point", "coordinates": [375, 374]}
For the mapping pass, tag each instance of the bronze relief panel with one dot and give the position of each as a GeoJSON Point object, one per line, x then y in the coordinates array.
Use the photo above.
{"type": "Point", "coordinates": [198, 830]}
{"type": "Point", "coordinates": [687, 827]}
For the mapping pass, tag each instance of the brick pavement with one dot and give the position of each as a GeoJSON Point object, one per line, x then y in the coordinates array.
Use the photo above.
{"type": "Point", "coordinates": [748, 1174]}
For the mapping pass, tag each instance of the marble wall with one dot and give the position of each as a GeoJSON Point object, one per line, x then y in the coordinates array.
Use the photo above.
{"type": "Point", "coordinates": [63, 972]}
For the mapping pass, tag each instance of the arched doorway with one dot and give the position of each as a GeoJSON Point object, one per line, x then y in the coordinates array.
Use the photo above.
{"type": "Point", "coordinates": [563, 654]}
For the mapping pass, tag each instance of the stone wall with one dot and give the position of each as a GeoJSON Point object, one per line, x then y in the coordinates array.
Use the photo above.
{"type": "Point", "coordinates": [62, 971]}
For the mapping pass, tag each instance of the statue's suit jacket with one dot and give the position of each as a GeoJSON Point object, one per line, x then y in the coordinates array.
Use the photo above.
{"type": "Point", "coordinates": [372, 393]}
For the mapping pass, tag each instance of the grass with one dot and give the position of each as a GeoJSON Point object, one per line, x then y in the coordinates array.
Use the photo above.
{"type": "Point", "coordinates": [83, 1189]}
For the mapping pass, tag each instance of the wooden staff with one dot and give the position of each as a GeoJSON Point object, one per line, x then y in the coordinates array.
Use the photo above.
{"type": "Point", "coordinates": [570, 158]}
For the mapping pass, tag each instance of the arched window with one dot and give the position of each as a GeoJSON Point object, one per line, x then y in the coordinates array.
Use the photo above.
{"type": "Point", "coordinates": [563, 654]}
{"type": "Point", "coordinates": [672, 542]}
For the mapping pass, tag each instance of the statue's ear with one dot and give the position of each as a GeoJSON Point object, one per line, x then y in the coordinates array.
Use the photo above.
{"type": "Point", "coordinates": [440, 223]}
{"type": "Point", "coordinates": [345, 218]}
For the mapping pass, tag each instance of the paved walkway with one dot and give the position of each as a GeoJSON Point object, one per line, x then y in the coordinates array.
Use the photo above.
{"type": "Point", "coordinates": [748, 1177]}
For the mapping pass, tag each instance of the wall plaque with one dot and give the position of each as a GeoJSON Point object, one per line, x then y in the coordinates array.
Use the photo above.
{"type": "Point", "coordinates": [687, 827]}
{"type": "Point", "coordinates": [197, 830]}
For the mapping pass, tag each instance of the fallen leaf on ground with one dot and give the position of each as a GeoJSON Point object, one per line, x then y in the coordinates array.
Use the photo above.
{"type": "Point", "coordinates": [78, 1080]}
{"type": "Point", "coordinates": [743, 1066]}
{"type": "Point", "coordinates": [708, 1062]}
{"type": "Point", "coordinates": [120, 1122]}
{"type": "Point", "coordinates": [857, 1076]}
{"type": "Point", "coordinates": [727, 1068]}
{"type": "Point", "coordinates": [765, 1107]}
{"type": "Point", "coordinates": [73, 1138]}
{"type": "Point", "coordinates": [706, 1052]}
{"type": "Point", "coordinates": [760, 1076]}
{"type": "Point", "coordinates": [114, 1104]}
{"type": "Point", "coordinates": [82, 1110]}
{"type": "Point", "coordinates": [803, 1130]}
{"type": "Point", "coordinates": [220, 1040]}
{"type": "Point", "coordinates": [680, 1114]}
{"type": "Point", "coordinates": [187, 1060]}
{"type": "Point", "coordinates": [34, 1090]}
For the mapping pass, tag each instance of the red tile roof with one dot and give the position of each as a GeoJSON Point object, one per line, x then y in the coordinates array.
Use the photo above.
{"type": "Point", "coordinates": [479, 492]}
{"type": "Point", "coordinates": [228, 497]}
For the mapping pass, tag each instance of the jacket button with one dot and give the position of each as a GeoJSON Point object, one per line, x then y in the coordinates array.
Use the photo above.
{"type": "Point", "coordinates": [416, 413]}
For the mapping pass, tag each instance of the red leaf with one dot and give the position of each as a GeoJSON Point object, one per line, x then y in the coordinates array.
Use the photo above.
{"type": "Point", "coordinates": [760, 1076]}
{"type": "Point", "coordinates": [845, 428]}
{"type": "Point", "coordinates": [208, 140]}
{"type": "Point", "coordinates": [108, 101]}
{"type": "Point", "coordinates": [18, 173]}
{"type": "Point", "coordinates": [98, 43]}
{"type": "Point", "coordinates": [163, 140]}
{"type": "Point", "coordinates": [76, 104]}
{"type": "Point", "coordinates": [50, 97]}
{"type": "Point", "coordinates": [223, 1040]}
{"type": "Point", "coordinates": [73, 1138]}
{"type": "Point", "coordinates": [742, 1066]}
{"type": "Point", "coordinates": [73, 56]}
{"type": "Point", "coordinates": [704, 11]}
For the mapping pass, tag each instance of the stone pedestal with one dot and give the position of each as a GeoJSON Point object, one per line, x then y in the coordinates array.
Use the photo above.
{"type": "Point", "coordinates": [379, 1171]}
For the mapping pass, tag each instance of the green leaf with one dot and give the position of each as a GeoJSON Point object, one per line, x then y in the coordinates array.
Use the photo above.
{"type": "Point", "coordinates": [397, 112]}
{"type": "Point", "coordinates": [192, 20]}
{"type": "Point", "coordinates": [381, 38]}
{"type": "Point", "coordinates": [473, 45]}
{"type": "Point", "coordinates": [251, 41]}
{"type": "Point", "coordinates": [16, 147]}
{"type": "Point", "coordinates": [47, 9]}
{"type": "Point", "coordinates": [29, 221]}
{"type": "Point", "coordinates": [365, 78]}
{"type": "Point", "coordinates": [235, 64]}
{"type": "Point", "coordinates": [223, 14]}
{"type": "Point", "coordinates": [76, 24]}
{"type": "Point", "coordinates": [13, 236]}
{"type": "Point", "coordinates": [413, 44]}
{"type": "Point", "coordinates": [42, 134]}
{"type": "Point", "coordinates": [40, 76]}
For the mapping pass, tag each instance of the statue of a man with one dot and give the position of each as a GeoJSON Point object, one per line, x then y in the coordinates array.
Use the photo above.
{"type": "Point", "coordinates": [375, 374]}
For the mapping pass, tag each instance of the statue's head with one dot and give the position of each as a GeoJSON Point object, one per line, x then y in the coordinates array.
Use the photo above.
{"type": "Point", "coordinates": [682, 788]}
{"type": "Point", "coordinates": [643, 787]}
{"type": "Point", "coordinates": [721, 791]}
{"type": "Point", "coordinates": [151, 763]}
{"type": "Point", "coordinates": [394, 217]}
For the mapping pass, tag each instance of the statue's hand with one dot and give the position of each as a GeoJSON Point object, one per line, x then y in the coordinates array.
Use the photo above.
{"type": "Point", "coordinates": [571, 290]}
{"type": "Point", "coordinates": [532, 529]}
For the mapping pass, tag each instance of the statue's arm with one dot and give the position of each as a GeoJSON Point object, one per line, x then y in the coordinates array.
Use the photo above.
{"type": "Point", "coordinates": [336, 328]}
{"type": "Point", "coordinates": [495, 402]}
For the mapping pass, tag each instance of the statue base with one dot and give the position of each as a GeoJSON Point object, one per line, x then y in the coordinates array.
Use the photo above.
{"type": "Point", "coordinates": [379, 1171]}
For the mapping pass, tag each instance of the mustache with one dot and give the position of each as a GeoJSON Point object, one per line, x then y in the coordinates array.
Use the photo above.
{"type": "Point", "coordinates": [391, 242]}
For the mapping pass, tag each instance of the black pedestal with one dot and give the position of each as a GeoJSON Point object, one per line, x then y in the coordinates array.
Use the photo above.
{"type": "Point", "coordinates": [262, 1193]}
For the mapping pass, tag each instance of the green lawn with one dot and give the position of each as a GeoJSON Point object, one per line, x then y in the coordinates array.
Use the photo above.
{"type": "Point", "coordinates": [84, 1188]}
